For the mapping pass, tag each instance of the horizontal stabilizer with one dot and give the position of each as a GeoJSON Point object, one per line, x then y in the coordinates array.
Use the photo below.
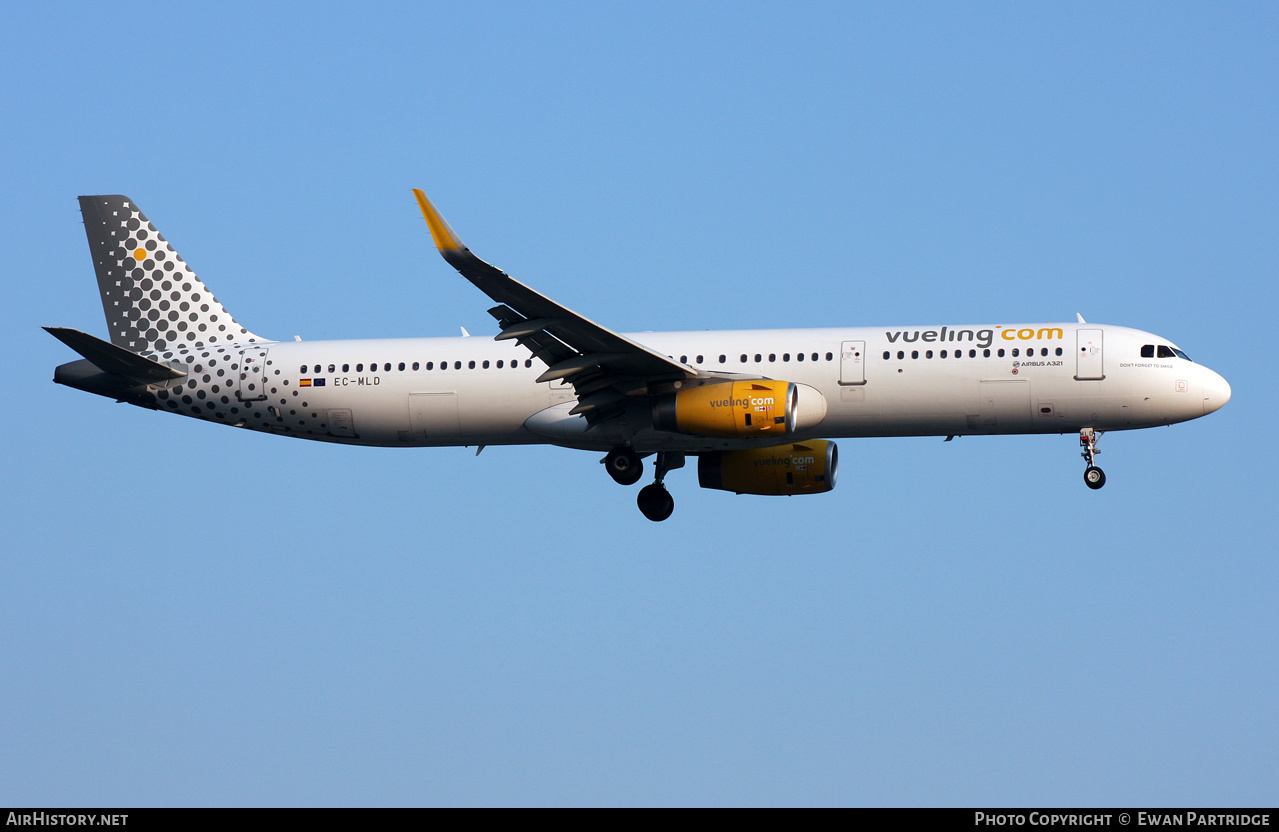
{"type": "Point", "coordinates": [112, 359]}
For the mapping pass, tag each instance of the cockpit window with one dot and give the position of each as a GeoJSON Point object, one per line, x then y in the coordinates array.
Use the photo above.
{"type": "Point", "coordinates": [1165, 351]}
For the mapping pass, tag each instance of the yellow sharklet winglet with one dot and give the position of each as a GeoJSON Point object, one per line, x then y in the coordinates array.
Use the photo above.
{"type": "Point", "coordinates": [445, 239]}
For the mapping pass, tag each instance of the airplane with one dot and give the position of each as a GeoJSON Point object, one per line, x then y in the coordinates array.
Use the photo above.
{"type": "Point", "coordinates": [757, 408]}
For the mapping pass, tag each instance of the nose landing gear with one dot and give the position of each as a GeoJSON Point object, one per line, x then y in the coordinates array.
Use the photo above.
{"type": "Point", "coordinates": [1094, 477]}
{"type": "Point", "coordinates": [654, 501]}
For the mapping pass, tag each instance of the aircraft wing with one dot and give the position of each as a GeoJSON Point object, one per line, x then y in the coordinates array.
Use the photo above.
{"type": "Point", "coordinates": [603, 366]}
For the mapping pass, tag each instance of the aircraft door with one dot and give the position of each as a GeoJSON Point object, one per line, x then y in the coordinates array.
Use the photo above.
{"type": "Point", "coordinates": [852, 363]}
{"type": "Point", "coordinates": [561, 391]}
{"type": "Point", "coordinates": [434, 417]}
{"type": "Point", "coordinates": [341, 423]}
{"type": "Point", "coordinates": [252, 385]}
{"type": "Point", "coordinates": [1088, 355]}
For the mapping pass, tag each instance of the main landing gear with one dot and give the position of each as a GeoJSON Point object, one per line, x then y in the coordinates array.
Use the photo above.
{"type": "Point", "coordinates": [625, 467]}
{"type": "Point", "coordinates": [1094, 477]}
{"type": "Point", "coordinates": [654, 501]}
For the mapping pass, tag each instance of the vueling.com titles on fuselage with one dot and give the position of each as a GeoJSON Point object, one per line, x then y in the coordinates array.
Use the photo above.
{"type": "Point", "coordinates": [752, 402]}
{"type": "Point", "coordinates": [982, 337]}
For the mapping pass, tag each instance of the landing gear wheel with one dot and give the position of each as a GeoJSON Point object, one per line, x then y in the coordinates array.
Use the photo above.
{"type": "Point", "coordinates": [655, 502]}
{"type": "Point", "coordinates": [1094, 477]}
{"type": "Point", "coordinates": [624, 466]}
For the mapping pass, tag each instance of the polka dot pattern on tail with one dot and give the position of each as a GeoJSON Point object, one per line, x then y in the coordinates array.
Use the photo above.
{"type": "Point", "coordinates": [141, 278]}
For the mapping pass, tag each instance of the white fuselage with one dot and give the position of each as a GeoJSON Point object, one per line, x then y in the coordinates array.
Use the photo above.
{"type": "Point", "coordinates": [880, 381]}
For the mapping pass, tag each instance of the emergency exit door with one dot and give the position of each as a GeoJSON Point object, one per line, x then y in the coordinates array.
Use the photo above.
{"type": "Point", "coordinates": [852, 363]}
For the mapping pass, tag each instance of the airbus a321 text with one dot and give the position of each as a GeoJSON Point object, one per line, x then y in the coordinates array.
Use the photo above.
{"type": "Point", "coordinates": [757, 408]}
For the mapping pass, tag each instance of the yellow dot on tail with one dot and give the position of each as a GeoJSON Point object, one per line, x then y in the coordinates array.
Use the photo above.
{"type": "Point", "coordinates": [140, 254]}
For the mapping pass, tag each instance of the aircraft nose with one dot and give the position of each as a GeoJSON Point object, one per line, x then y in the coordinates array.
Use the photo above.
{"type": "Point", "coordinates": [1216, 392]}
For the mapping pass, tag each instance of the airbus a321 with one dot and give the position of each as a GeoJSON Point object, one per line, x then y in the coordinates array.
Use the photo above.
{"type": "Point", "coordinates": [757, 408]}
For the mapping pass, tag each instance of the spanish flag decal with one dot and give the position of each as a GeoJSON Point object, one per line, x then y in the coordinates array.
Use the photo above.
{"type": "Point", "coordinates": [306, 382]}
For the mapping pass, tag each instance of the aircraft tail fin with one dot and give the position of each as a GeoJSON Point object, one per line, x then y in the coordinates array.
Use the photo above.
{"type": "Point", "coordinates": [152, 299]}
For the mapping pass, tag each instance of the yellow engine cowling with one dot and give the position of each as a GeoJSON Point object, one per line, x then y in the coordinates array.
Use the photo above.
{"type": "Point", "coordinates": [732, 408]}
{"type": "Point", "coordinates": [794, 468]}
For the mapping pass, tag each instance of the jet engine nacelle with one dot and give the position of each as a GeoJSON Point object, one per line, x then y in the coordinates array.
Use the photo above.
{"type": "Point", "coordinates": [794, 468]}
{"type": "Point", "coordinates": [731, 408]}
{"type": "Point", "coordinates": [741, 409]}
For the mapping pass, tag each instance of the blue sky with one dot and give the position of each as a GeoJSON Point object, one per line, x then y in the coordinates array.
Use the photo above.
{"type": "Point", "coordinates": [200, 616]}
